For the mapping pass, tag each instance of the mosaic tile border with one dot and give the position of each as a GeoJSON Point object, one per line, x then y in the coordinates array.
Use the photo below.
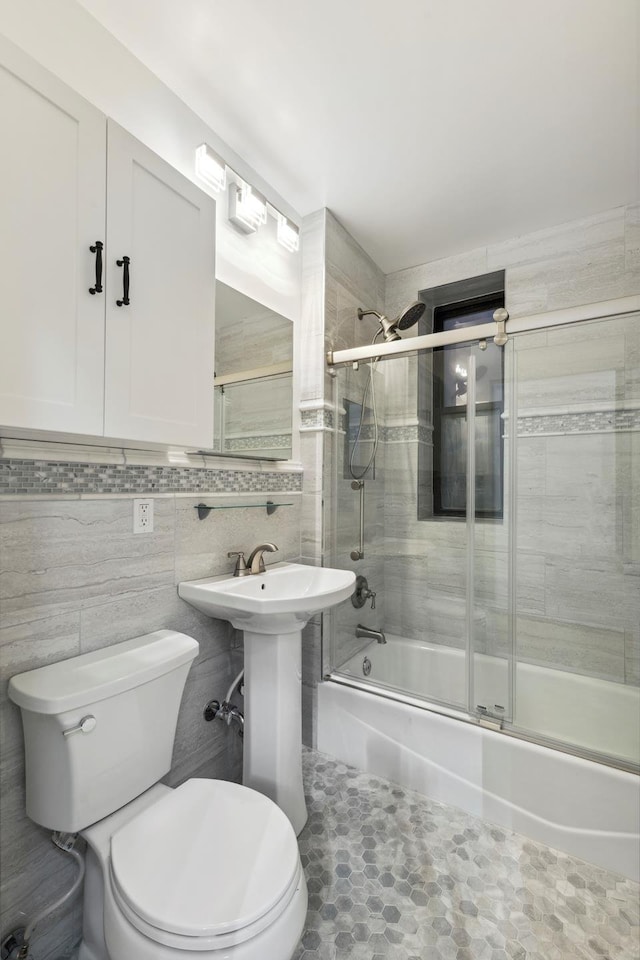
{"type": "Point", "coordinates": [55, 477]}
{"type": "Point", "coordinates": [415, 432]}
{"type": "Point", "coordinates": [598, 421]}
{"type": "Point", "coordinates": [317, 419]}
{"type": "Point", "coordinates": [402, 433]}
{"type": "Point", "coordinates": [276, 441]}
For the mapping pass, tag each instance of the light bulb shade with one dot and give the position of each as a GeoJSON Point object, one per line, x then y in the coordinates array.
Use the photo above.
{"type": "Point", "coordinates": [247, 207]}
{"type": "Point", "coordinates": [210, 167]}
{"type": "Point", "coordinates": [288, 234]}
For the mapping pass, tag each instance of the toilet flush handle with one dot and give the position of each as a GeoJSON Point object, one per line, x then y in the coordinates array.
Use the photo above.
{"type": "Point", "coordinates": [86, 725]}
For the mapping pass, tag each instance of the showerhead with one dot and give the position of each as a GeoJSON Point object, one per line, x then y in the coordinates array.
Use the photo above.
{"type": "Point", "coordinates": [410, 315]}
{"type": "Point", "coordinates": [406, 319]}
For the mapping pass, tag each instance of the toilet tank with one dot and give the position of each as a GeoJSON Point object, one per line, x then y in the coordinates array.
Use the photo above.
{"type": "Point", "coordinates": [128, 696]}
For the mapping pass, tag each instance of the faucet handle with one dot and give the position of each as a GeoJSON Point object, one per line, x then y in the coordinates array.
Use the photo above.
{"type": "Point", "coordinates": [372, 597]}
{"type": "Point", "coordinates": [241, 568]}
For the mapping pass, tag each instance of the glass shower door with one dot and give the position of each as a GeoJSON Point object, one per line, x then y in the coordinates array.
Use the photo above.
{"type": "Point", "coordinates": [490, 635]}
{"type": "Point", "coordinates": [577, 548]}
{"type": "Point", "coordinates": [356, 531]}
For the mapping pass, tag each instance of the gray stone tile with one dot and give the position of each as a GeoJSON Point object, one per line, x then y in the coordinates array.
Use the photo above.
{"type": "Point", "coordinates": [58, 557]}
{"type": "Point", "coordinates": [26, 646]}
{"type": "Point", "coordinates": [448, 885]}
{"type": "Point", "coordinates": [201, 546]}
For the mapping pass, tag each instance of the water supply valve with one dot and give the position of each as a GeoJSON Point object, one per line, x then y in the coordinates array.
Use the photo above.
{"type": "Point", "coordinates": [225, 711]}
{"type": "Point", "coordinates": [14, 946]}
{"type": "Point", "coordinates": [211, 710]}
{"type": "Point", "coordinates": [362, 593]}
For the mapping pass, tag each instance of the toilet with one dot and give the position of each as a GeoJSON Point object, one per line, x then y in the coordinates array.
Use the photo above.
{"type": "Point", "coordinates": [209, 869]}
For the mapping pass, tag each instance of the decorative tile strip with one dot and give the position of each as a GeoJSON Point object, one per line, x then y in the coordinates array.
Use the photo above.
{"type": "Point", "coordinates": [49, 477]}
{"type": "Point", "coordinates": [410, 433]}
{"type": "Point", "coordinates": [406, 433]}
{"type": "Point", "coordinates": [316, 419]}
{"type": "Point", "coordinates": [598, 421]}
{"type": "Point", "coordinates": [277, 441]}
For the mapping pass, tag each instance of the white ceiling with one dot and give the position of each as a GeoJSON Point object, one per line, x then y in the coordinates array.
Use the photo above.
{"type": "Point", "coordinates": [428, 127]}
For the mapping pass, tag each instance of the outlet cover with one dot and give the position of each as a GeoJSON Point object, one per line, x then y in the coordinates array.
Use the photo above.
{"type": "Point", "coordinates": [143, 516]}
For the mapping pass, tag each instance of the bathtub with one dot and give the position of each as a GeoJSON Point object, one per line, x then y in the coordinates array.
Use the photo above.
{"type": "Point", "coordinates": [579, 806]}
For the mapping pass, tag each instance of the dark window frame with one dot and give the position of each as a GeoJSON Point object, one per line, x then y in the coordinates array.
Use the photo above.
{"type": "Point", "coordinates": [441, 314]}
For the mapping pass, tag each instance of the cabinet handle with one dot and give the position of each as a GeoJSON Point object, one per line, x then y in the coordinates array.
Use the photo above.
{"type": "Point", "coordinates": [125, 282]}
{"type": "Point", "coordinates": [97, 249]}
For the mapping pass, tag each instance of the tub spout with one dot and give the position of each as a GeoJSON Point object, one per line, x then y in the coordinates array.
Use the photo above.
{"type": "Point", "coordinates": [369, 633]}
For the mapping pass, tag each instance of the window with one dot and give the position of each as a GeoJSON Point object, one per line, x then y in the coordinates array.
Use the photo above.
{"type": "Point", "coordinates": [442, 478]}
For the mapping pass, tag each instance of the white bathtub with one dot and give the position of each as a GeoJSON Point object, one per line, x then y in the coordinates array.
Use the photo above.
{"type": "Point", "coordinates": [579, 806]}
{"type": "Point", "coordinates": [596, 715]}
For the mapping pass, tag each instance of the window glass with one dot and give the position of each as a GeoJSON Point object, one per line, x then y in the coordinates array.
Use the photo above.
{"type": "Point", "coordinates": [450, 380]}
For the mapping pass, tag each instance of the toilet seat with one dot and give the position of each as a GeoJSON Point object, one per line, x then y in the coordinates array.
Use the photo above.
{"type": "Point", "coordinates": [209, 865]}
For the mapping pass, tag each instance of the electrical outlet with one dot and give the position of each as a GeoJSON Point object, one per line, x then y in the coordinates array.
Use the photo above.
{"type": "Point", "coordinates": [143, 516]}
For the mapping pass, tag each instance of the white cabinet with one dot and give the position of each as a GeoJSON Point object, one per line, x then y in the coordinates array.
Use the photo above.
{"type": "Point", "coordinates": [159, 346]}
{"type": "Point", "coordinates": [91, 363]}
{"type": "Point", "coordinates": [52, 209]}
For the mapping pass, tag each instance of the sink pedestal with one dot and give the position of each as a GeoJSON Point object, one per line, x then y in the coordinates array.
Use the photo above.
{"type": "Point", "coordinates": [272, 762]}
{"type": "Point", "coordinates": [272, 608]}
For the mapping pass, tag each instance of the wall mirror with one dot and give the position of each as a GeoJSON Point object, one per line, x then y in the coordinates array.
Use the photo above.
{"type": "Point", "coordinates": [253, 397]}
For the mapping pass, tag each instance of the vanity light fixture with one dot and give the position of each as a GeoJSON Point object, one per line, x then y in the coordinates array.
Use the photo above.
{"type": "Point", "coordinates": [247, 207]}
{"type": "Point", "coordinates": [210, 167]}
{"type": "Point", "coordinates": [288, 233]}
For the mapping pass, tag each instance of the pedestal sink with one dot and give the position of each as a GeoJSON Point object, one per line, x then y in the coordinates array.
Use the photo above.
{"type": "Point", "coordinates": [272, 608]}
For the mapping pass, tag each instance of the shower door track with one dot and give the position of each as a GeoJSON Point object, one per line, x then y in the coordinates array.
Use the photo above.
{"type": "Point", "coordinates": [484, 331]}
{"type": "Point", "coordinates": [434, 707]}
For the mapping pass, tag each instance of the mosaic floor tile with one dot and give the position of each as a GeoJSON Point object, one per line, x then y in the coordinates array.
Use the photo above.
{"type": "Point", "coordinates": [395, 876]}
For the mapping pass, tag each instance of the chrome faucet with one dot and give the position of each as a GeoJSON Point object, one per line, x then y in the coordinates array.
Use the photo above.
{"type": "Point", "coordinates": [369, 633]}
{"type": "Point", "coordinates": [255, 561]}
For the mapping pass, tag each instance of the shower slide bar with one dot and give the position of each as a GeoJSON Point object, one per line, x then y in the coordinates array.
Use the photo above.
{"type": "Point", "coordinates": [484, 331]}
{"type": "Point", "coordinates": [359, 553]}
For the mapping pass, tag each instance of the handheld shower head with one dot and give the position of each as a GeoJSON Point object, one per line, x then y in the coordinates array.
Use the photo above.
{"type": "Point", "coordinates": [406, 319]}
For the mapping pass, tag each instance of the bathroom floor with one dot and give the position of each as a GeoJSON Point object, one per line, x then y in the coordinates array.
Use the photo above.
{"type": "Point", "coordinates": [394, 876]}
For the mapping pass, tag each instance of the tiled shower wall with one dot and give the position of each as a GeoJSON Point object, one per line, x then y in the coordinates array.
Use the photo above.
{"type": "Point", "coordinates": [74, 578]}
{"type": "Point", "coordinates": [578, 584]}
{"type": "Point", "coordinates": [338, 277]}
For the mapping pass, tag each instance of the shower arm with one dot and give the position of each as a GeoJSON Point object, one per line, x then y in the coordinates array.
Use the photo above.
{"type": "Point", "coordinates": [359, 554]}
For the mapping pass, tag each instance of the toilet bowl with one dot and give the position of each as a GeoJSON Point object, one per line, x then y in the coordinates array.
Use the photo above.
{"type": "Point", "coordinates": [209, 869]}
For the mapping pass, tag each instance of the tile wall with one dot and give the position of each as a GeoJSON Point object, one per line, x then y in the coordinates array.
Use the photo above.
{"type": "Point", "coordinates": [578, 589]}
{"type": "Point", "coordinates": [337, 278]}
{"type": "Point", "coordinates": [74, 578]}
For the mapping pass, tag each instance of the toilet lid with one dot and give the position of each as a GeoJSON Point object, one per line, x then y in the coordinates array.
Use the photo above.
{"type": "Point", "coordinates": [208, 858]}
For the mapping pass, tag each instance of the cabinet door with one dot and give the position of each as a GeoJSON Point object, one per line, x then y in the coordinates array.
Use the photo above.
{"type": "Point", "coordinates": [52, 209]}
{"type": "Point", "coordinates": [159, 346]}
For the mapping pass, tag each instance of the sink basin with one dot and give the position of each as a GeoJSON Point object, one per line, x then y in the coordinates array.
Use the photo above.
{"type": "Point", "coordinates": [280, 600]}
